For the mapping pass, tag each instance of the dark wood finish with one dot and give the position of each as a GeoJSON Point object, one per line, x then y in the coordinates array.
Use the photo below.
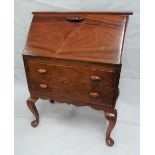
{"type": "Point", "coordinates": [75, 58]}
{"type": "Point", "coordinates": [86, 12]}
{"type": "Point", "coordinates": [82, 75]}
{"type": "Point", "coordinates": [31, 104]}
{"type": "Point", "coordinates": [51, 101]}
{"type": "Point", "coordinates": [98, 38]}
{"type": "Point", "coordinates": [111, 117]}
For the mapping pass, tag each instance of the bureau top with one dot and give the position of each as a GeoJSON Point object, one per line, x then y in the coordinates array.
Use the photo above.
{"type": "Point", "coordinates": [83, 36]}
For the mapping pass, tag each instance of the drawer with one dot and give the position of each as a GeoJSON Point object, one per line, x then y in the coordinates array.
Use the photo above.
{"type": "Point", "coordinates": [76, 91]}
{"type": "Point", "coordinates": [70, 74]}
{"type": "Point", "coordinates": [80, 84]}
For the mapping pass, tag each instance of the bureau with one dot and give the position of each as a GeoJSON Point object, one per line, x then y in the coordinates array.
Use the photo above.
{"type": "Point", "coordinates": [75, 58]}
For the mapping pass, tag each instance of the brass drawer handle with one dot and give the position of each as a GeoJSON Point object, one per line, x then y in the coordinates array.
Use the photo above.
{"type": "Point", "coordinates": [44, 86]}
{"type": "Point", "coordinates": [75, 19]}
{"type": "Point", "coordinates": [42, 71]}
{"type": "Point", "coordinates": [95, 78]}
{"type": "Point", "coordinates": [94, 94]}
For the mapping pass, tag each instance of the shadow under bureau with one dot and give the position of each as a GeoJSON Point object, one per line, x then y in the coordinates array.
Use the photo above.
{"type": "Point", "coordinates": [75, 58]}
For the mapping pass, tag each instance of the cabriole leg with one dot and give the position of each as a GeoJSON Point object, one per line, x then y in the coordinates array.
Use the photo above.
{"type": "Point", "coordinates": [51, 101]}
{"type": "Point", "coordinates": [111, 117]}
{"type": "Point", "coordinates": [31, 104]}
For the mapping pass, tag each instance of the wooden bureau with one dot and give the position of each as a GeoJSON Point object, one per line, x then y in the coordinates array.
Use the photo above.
{"type": "Point", "coordinates": [75, 58]}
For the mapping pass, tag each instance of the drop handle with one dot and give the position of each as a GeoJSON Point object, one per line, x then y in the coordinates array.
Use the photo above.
{"type": "Point", "coordinates": [42, 71]}
{"type": "Point", "coordinates": [44, 86]}
{"type": "Point", "coordinates": [94, 94]}
{"type": "Point", "coordinates": [75, 19]}
{"type": "Point", "coordinates": [95, 78]}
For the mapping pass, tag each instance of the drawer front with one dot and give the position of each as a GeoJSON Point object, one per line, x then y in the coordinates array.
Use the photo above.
{"type": "Point", "coordinates": [87, 85]}
{"type": "Point", "coordinates": [60, 73]}
{"type": "Point", "coordinates": [75, 91]}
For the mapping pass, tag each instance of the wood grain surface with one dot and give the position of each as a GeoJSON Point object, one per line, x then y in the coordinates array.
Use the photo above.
{"type": "Point", "coordinates": [75, 58]}
{"type": "Point", "coordinates": [98, 38]}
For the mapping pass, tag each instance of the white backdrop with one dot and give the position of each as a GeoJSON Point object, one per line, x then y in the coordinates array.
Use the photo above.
{"type": "Point", "coordinates": [127, 105]}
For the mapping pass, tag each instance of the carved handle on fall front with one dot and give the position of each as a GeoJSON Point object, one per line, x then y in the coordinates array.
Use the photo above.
{"type": "Point", "coordinates": [42, 71]}
{"type": "Point", "coordinates": [75, 19]}
{"type": "Point", "coordinates": [94, 94]}
{"type": "Point", "coordinates": [44, 86]}
{"type": "Point", "coordinates": [95, 78]}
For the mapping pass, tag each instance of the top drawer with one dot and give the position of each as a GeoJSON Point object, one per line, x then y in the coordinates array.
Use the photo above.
{"type": "Point", "coordinates": [71, 74]}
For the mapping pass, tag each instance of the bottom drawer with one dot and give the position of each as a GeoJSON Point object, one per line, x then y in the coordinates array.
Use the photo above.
{"type": "Point", "coordinates": [78, 92]}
